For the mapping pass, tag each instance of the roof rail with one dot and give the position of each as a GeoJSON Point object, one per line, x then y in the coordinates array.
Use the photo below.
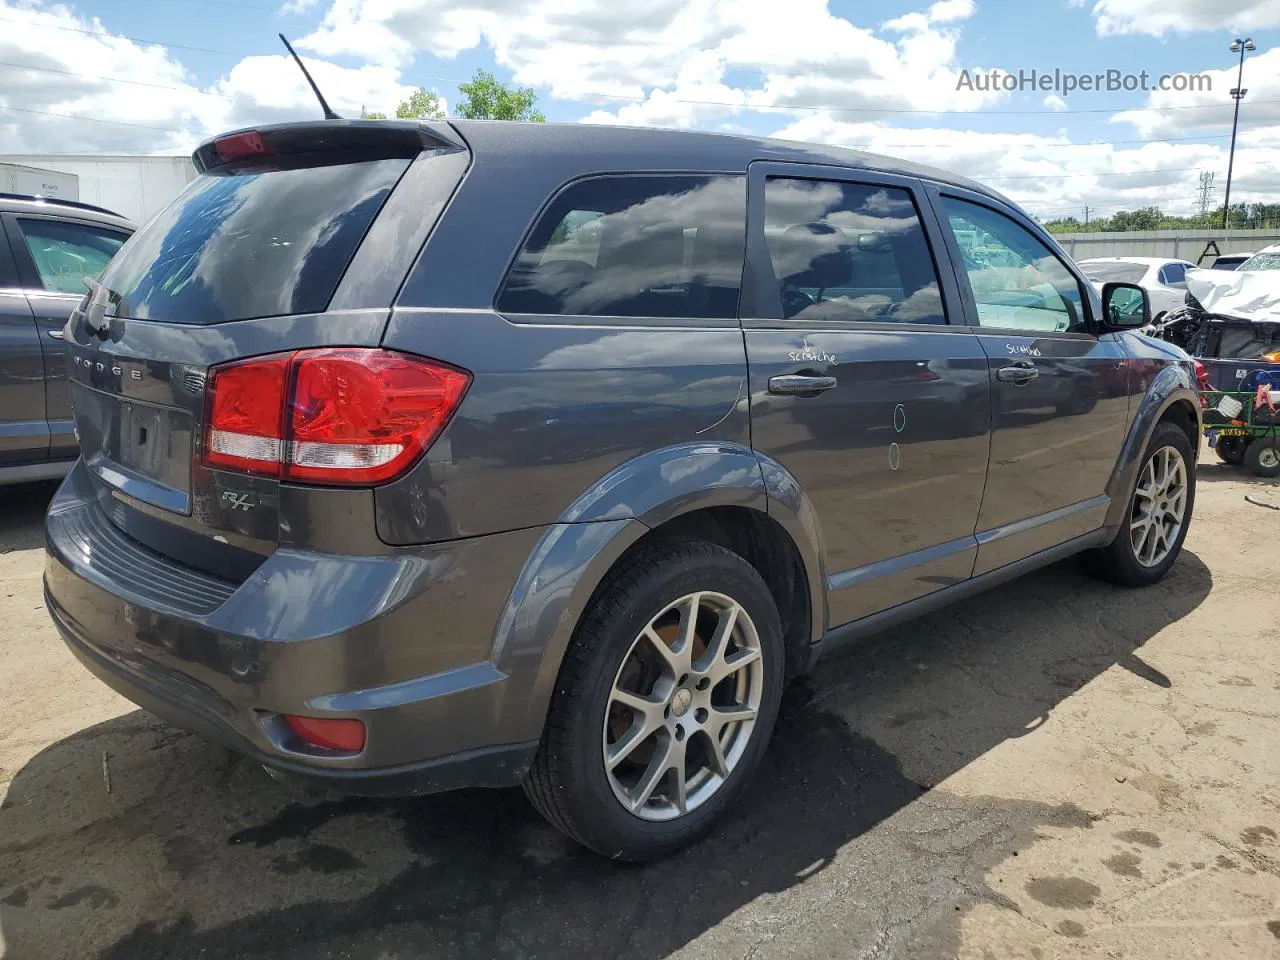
{"type": "Point", "coordinates": [66, 203]}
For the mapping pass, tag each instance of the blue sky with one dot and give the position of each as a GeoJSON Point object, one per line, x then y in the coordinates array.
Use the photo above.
{"type": "Point", "coordinates": [156, 76]}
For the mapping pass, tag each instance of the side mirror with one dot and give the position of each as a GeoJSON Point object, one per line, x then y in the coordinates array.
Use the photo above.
{"type": "Point", "coordinates": [1125, 306]}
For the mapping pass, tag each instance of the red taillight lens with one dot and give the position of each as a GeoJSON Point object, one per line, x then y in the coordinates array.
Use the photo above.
{"type": "Point", "coordinates": [344, 416]}
{"type": "Point", "coordinates": [243, 146]}
{"type": "Point", "coordinates": [362, 416]}
{"type": "Point", "coordinates": [345, 735]}
{"type": "Point", "coordinates": [246, 415]}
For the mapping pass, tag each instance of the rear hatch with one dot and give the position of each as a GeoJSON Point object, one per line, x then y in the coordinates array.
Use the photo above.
{"type": "Point", "coordinates": [250, 261]}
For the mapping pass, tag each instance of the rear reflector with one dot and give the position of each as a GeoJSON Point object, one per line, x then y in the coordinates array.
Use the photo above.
{"type": "Point", "coordinates": [345, 735]}
{"type": "Point", "coordinates": [343, 416]}
{"type": "Point", "coordinates": [242, 146]}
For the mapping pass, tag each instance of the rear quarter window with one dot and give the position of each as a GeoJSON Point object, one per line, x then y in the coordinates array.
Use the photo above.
{"type": "Point", "coordinates": [639, 246]}
{"type": "Point", "coordinates": [246, 244]}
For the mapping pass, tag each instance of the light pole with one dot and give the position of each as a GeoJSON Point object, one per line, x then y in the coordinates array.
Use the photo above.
{"type": "Point", "coordinates": [1237, 94]}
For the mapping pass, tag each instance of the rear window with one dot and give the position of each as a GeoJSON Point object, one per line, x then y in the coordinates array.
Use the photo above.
{"type": "Point", "coordinates": [1114, 272]}
{"type": "Point", "coordinates": [256, 243]}
{"type": "Point", "coordinates": [643, 246]}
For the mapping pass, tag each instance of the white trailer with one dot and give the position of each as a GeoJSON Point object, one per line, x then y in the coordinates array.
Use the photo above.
{"type": "Point", "coordinates": [19, 178]}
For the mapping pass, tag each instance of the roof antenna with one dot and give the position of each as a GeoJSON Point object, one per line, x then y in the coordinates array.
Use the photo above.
{"type": "Point", "coordinates": [328, 111]}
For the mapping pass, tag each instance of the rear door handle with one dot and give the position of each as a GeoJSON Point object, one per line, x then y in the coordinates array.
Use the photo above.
{"type": "Point", "coordinates": [798, 383]}
{"type": "Point", "coordinates": [1022, 372]}
{"type": "Point", "coordinates": [57, 334]}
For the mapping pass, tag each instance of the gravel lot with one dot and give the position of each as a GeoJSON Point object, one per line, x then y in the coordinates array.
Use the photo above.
{"type": "Point", "coordinates": [1058, 768]}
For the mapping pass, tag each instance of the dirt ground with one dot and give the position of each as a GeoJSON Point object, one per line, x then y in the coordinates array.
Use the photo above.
{"type": "Point", "coordinates": [1057, 769]}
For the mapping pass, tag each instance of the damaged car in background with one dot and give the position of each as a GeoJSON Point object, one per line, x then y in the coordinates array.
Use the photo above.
{"type": "Point", "coordinates": [1231, 324]}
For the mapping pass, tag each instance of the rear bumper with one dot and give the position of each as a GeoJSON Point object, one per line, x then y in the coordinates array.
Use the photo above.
{"type": "Point", "coordinates": [400, 642]}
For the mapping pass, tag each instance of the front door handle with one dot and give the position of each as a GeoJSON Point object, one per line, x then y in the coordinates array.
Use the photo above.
{"type": "Point", "coordinates": [57, 334]}
{"type": "Point", "coordinates": [1023, 371]}
{"type": "Point", "coordinates": [799, 383]}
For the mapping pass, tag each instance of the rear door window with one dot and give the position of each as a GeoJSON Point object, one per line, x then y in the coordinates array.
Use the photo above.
{"type": "Point", "coordinates": [1174, 274]}
{"type": "Point", "coordinates": [643, 246]}
{"type": "Point", "coordinates": [253, 243]}
{"type": "Point", "coordinates": [67, 254]}
{"type": "Point", "coordinates": [849, 252]}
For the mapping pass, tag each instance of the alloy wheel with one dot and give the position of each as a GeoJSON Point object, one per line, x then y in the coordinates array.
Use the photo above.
{"type": "Point", "coordinates": [683, 706]}
{"type": "Point", "coordinates": [1159, 504]}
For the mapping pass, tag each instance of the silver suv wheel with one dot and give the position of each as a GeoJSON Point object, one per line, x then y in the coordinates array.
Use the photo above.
{"type": "Point", "coordinates": [1159, 504]}
{"type": "Point", "coordinates": [683, 706]}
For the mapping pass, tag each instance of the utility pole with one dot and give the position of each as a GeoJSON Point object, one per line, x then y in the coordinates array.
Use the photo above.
{"type": "Point", "coordinates": [1086, 216]}
{"type": "Point", "coordinates": [1237, 94]}
{"type": "Point", "coordinates": [1204, 196]}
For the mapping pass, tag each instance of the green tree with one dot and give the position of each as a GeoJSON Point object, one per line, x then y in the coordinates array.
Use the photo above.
{"type": "Point", "coordinates": [488, 98]}
{"type": "Point", "coordinates": [421, 105]}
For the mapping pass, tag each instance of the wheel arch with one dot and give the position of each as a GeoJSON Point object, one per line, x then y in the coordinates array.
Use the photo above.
{"type": "Point", "coordinates": [719, 492]}
{"type": "Point", "coordinates": [1169, 398]}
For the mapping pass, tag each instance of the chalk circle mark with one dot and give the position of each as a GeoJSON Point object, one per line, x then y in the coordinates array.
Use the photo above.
{"type": "Point", "coordinates": [899, 418]}
{"type": "Point", "coordinates": [895, 456]}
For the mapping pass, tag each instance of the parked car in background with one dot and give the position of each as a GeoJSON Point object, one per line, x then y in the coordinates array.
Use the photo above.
{"type": "Point", "coordinates": [1229, 261]}
{"type": "Point", "coordinates": [1164, 280]}
{"type": "Point", "coordinates": [427, 455]}
{"type": "Point", "coordinates": [1268, 258]}
{"type": "Point", "coordinates": [48, 250]}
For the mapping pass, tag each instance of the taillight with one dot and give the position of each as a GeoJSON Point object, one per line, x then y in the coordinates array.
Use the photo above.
{"type": "Point", "coordinates": [341, 417]}
{"type": "Point", "coordinates": [246, 415]}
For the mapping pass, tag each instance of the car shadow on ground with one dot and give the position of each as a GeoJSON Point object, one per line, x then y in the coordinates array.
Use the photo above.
{"type": "Point", "coordinates": [195, 853]}
{"type": "Point", "coordinates": [22, 508]}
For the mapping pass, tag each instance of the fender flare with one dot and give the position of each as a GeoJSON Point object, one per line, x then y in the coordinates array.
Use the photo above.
{"type": "Point", "coordinates": [574, 554]}
{"type": "Point", "coordinates": [1172, 385]}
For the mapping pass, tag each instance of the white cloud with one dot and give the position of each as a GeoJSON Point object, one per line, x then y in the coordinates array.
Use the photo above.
{"type": "Point", "coordinates": [1158, 17]}
{"type": "Point", "coordinates": [1182, 114]}
{"type": "Point", "coordinates": [1055, 103]}
{"type": "Point", "coordinates": [944, 11]}
{"type": "Point", "coordinates": [142, 99]}
{"type": "Point", "coordinates": [77, 88]}
{"type": "Point", "coordinates": [271, 89]}
{"type": "Point", "coordinates": [1051, 176]}
{"type": "Point", "coordinates": [668, 55]}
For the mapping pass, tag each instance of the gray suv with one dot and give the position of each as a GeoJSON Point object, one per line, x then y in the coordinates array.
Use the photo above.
{"type": "Point", "coordinates": [49, 251]}
{"type": "Point", "coordinates": [419, 456]}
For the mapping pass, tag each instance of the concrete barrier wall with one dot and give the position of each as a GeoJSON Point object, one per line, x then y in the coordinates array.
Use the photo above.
{"type": "Point", "coordinates": [1175, 244]}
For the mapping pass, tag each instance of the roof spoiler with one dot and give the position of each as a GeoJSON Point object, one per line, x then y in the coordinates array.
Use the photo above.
{"type": "Point", "coordinates": [322, 142]}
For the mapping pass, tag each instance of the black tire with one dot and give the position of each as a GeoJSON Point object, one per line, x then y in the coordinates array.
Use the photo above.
{"type": "Point", "coordinates": [1117, 562]}
{"type": "Point", "coordinates": [568, 783]}
{"type": "Point", "coordinates": [1262, 457]}
{"type": "Point", "coordinates": [1231, 450]}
